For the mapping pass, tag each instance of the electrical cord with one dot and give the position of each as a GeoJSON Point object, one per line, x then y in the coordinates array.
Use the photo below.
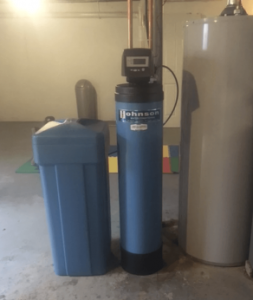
{"type": "Point", "coordinates": [177, 85]}
{"type": "Point", "coordinates": [113, 152]}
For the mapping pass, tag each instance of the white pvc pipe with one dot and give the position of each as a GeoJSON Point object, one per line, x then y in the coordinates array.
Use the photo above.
{"type": "Point", "coordinates": [68, 15]}
{"type": "Point", "coordinates": [232, 2]}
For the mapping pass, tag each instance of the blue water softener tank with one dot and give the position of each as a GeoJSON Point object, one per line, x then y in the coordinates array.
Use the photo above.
{"type": "Point", "coordinates": [72, 159]}
{"type": "Point", "coordinates": [139, 119]}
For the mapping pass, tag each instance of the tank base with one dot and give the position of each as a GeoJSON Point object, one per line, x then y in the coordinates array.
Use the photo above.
{"type": "Point", "coordinates": [142, 264]}
{"type": "Point", "coordinates": [215, 264]}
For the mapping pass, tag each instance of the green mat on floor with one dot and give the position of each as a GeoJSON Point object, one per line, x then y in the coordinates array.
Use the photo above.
{"type": "Point", "coordinates": [27, 168]}
{"type": "Point", "coordinates": [174, 164]}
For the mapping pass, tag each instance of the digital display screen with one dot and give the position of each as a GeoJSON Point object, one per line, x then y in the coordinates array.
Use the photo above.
{"type": "Point", "coordinates": [139, 61]}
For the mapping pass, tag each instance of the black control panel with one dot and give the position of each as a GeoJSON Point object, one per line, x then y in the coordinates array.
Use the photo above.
{"type": "Point", "coordinates": [137, 65]}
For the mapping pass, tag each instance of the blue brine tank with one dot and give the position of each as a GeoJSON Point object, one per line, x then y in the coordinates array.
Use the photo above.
{"type": "Point", "coordinates": [139, 117]}
{"type": "Point", "coordinates": [72, 158]}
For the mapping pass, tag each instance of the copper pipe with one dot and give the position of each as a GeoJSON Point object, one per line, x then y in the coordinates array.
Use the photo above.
{"type": "Point", "coordinates": [150, 23]}
{"type": "Point", "coordinates": [130, 23]}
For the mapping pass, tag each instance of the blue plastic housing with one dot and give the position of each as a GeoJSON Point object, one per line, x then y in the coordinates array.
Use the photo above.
{"type": "Point", "coordinates": [72, 158]}
{"type": "Point", "coordinates": [140, 179]}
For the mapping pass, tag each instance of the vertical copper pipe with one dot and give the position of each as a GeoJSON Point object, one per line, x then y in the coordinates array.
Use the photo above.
{"type": "Point", "coordinates": [130, 23]}
{"type": "Point", "coordinates": [150, 23]}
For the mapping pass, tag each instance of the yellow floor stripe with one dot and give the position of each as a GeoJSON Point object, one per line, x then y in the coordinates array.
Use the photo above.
{"type": "Point", "coordinates": [165, 151]}
{"type": "Point", "coordinates": [113, 164]}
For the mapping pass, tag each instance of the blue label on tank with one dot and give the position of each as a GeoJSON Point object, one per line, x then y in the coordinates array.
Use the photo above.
{"type": "Point", "coordinates": [126, 115]}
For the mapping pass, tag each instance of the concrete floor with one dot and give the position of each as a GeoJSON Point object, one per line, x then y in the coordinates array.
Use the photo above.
{"type": "Point", "coordinates": [26, 271]}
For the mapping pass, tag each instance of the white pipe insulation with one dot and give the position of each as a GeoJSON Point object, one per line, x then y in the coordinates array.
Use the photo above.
{"type": "Point", "coordinates": [68, 15]}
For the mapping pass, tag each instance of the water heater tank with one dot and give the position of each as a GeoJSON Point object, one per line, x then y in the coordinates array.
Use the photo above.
{"type": "Point", "coordinates": [217, 140]}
